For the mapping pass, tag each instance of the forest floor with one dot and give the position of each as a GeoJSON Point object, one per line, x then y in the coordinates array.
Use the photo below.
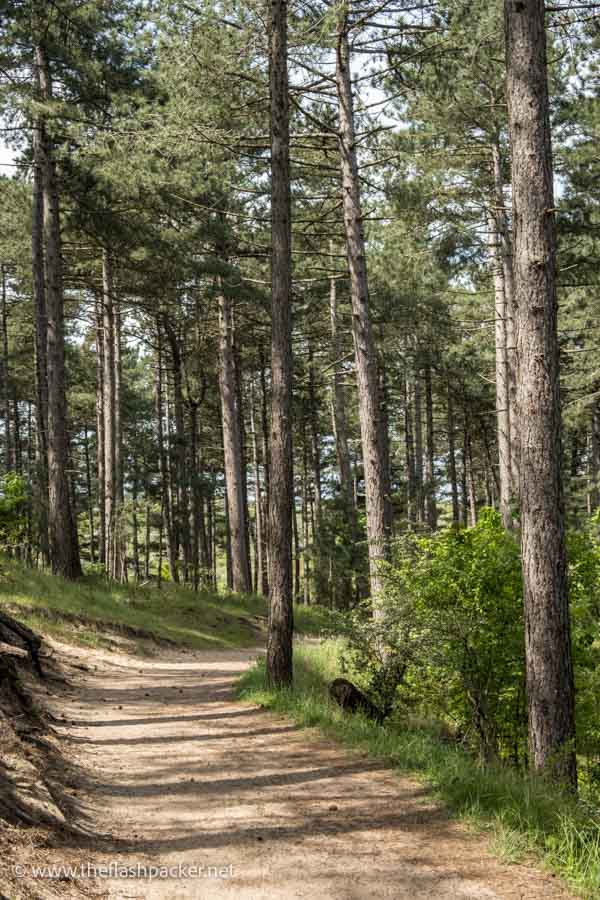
{"type": "Point", "coordinates": [167, 769]}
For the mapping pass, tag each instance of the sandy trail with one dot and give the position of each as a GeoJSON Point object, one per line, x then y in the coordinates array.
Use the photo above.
{"type": "Point", "coordinates": [182, 774]}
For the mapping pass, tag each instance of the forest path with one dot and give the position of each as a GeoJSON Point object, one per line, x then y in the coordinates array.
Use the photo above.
{"type": "Point", "coordinates": [179, 773]}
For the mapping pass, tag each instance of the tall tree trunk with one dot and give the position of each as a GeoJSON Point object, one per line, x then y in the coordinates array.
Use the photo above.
{"type": "Point", "coordinates": [340, 431]}
{"type": "Point", "coordinates": [166, 512]}
{"type": "Point", "coordinates": [417, 387]}
{"type": "Point", "coordinates": [89, 492]}
{"type": "Point", "coordinates": [198, 538]}
{"type": "Point", "coordinates": [384, 438]}
{"type": "Point", "coordinates": [297, 555]}
{"type": "Point", "coordinates": [181, 468]}
{"type": "Point", "coordinates": [431, 506]}
{"type": "Point", "coordinates": [239, 405]}
{"type": "Point", "coordinates": [109, 402]}
{"type": "Point", "coordinates": [100, 448]}
{"type": "Point", "coordinates": [364, 343]}
{"type": "Point", "coordinates": [232, 448]}
{"type": "Point", "coordinates": [205, 554]}
{"type": "Point", "coordinates": [470, 478]}
{"type": "Point", "coordinates": [281, 619]}
{"type": "Point", "coordinates": [464, 482]}
{"type": "Point", "coordinates": [314, 434]}
{"type": "Point", "coordinates": [171, 471]}
{"type": "Point", "coordinates": [338, 402]}
{"type": "Point", "coordinates": [411, 479]}
{"type": "Point", "coordinates": [134, 523]}
{"type": "Point", "coordinates": [547, 628]}
{"type": "Point", "coordinates": [64, 545]}
{"type": "Point", "coordinates": [262, 580]}
{"type": "Point", "coordinates": [503, 423]}
{"type": "Point", "coordinates": [315, 458]}
{"type": "Point", "coordinates": [505, 257]}
{"type": "Point", "coordinates": [147, 538]}
{"type": "Point", "coordinates": [121, 532]}
{"type": "Point", "coordinates": [161, 529]}
{"type": "Point", "coordinates": [228, 549]}
{"type": "Point", "coordinates": [9, 444]}
{"type": "Point", "coordinates": [452, 461]}
{"type": "Point", "coordinates": [594, 460]}
{"type": "Point", "coordinates": [266, 450]}
{"type": "Point", "coordinates": [213, 537]}
{"type": "Point", "coordinates": [18, 455]}
{"type": "Point", "coordinates": [306, 533]}
{"type": "Point", "coordinates": [41, 341]}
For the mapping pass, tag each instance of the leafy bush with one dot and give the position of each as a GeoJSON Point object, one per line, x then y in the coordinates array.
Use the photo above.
{"type": "Point", "coordinates": [452, 615]}
{"type": "Point", "coordinates": [447, 641]}
{"type": "Point", "coordinates": [13, 511]}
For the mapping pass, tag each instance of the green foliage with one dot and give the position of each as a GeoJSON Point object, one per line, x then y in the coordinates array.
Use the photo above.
{"type": "Point", "coordinates": [14, 502]}
{"type": "Point", "coordinates": [448, 640]}
{"type": "Point", "coordinates": [525, 815]}
{"type": "Point", "coordinates": [584, 583]}
{"type": "Point", "coordinates": [452, 614]}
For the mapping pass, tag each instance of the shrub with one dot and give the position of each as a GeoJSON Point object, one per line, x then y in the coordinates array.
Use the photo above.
{"type": "Point", "coordinates": [447, 642]}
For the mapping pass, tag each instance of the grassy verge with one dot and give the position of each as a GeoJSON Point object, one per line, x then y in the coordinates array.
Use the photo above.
{"type": "Point", "coordinates": [526, 816]}
{"type": "Point", "coordinates": [95, 612]}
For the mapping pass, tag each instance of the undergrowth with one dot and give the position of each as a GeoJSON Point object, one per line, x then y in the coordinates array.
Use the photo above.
{"type": "Point", "coordinates": [525, 815]}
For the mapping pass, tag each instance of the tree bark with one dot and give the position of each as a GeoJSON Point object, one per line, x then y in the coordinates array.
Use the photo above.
{"type": "Point", "coordinates": [109, 401]}
{"type": "Point", "coordinates": [409, 444]}
{"type": "Point", "coordinates": [166, 511]}
{"type": "Point", "coordinates": [281, 621]}
{"type": "Point", "coordinates": [147, 537]}
{"type": "Point", "coordinates": [134, 526]}
{"type": "Point", "coordinates": [64, 545]}
{"type": "Point", "coordinates": [419, 485]}
{"type": "Point", "coordinates": [262, 580]}
{"type": "Point", "coordinates": [320, 575]}
{"type": "Point", "coordinates": [100, 452]}
{"type": "Point", "coordinates": [340, 431]}
{"type": "Point", "coordinates": [10, 453]}
{"type": "Point", "coordinates": [266, 450]}
{"type": "Point", "coordinates": [452, 462]}
{"type": "Point", "coordinates": [364, 343]}
{"type": "Point", "coordinates": [239, 405]}
{"type": "Point", "coordinates": [503, 423]}
{"type": "Point", "coordinates": [232, 449]}
{"type": "Point", "coordinates": [181, 469]}
{"type": "Point", "coordinates": [121, 532]}
{"type": "Point", "coordinates": [505, 255]}
{"type": "Point", "coordinates": [90, 495]}
{"type": "Point", "coordinates": [547, 628]}
{"type": "Point", "coordinates": [470, 478]}
{"type": "Point", "coordinates": [199, 549]}
{"type": "Point", "coordinates": [41, 341]}
{"type": "Point", "coordinates": [338, 402]}
{"type": "Point", "coordinates": [431, 505]}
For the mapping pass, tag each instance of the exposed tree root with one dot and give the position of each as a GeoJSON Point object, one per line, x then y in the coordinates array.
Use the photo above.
{"type": "Point", "coordinates": [14, 633]}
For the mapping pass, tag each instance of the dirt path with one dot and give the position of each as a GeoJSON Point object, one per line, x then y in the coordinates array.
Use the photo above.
{"type": "Point", "coordinates": [185, 776]}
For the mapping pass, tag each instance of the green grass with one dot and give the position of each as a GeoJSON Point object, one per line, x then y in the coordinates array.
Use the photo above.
{"type": "Point", "coordinates": [95, 612]}
{"type": "Point", "coordinates": [525, 815]}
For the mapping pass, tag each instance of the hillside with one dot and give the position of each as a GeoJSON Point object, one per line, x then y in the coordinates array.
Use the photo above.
{"type": "Point", "coordinates": [93, 612]}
